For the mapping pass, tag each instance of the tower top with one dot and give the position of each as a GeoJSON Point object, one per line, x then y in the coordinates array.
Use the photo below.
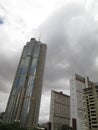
{"type": "Point", "coordinates": [33, 39]}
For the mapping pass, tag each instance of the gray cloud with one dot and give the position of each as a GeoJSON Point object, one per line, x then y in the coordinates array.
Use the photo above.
{"type": "Point", "coordinates": [71, 35]}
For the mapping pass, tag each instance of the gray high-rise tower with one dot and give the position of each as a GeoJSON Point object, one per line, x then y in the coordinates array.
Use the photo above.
{"type": "Point", "coordinates": [24, 100]}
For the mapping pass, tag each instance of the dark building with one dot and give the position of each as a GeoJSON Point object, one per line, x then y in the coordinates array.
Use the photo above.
{"type": "Point", "coordinates": [46, 126]}
{"type": "Point", "coordinates": [1, 117]}
{"type": "Point", "coordinates": [24, 100]}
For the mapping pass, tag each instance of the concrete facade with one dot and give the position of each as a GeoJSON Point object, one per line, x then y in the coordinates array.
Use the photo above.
{"type": "Point", "coordinates": [59, 110]}
{"type": "Point", "coordinates": [24, 100]}
{"type": "Point", "coordinates": [77, 84]}
{"type": "Point", "coordinates": [90, 101]}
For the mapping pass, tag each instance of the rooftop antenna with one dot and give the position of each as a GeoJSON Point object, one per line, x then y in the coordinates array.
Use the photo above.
{"type": "Point", "coordinates": [39, 36]}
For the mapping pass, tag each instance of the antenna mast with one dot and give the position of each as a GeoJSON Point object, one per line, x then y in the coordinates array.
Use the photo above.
{"type": "Point", "coordinates": [39, 36]}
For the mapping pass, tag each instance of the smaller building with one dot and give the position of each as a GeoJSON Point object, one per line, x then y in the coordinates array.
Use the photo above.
{"type": "Point", "coordinates": [46, 126]}
{"type": "Point", "coordinates": [90, 101]}
{"type": "Point", "coordinates": [1, 117]}
{"type": "Point", "coordinates": [59, 110]}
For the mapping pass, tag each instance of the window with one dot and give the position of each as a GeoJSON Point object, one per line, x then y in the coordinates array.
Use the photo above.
{"type": "Point", "coordinates": [36, 52]}
{"type": "Point", "coordinates": [33, 66]}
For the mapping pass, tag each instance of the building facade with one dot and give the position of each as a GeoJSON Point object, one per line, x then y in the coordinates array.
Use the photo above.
{"type": "Point", "coordinates": [90, 101]}
{"type": "Point", "coordinates": [1, 117]}
{"type": "Point", "coordinates": [46, 125]}
{"type": "Point", "coordinates": [24, 100]}
{"type": "Point", "coordinates": [59, 110]}
{"type": "Point", "coordinates": [77, 84]}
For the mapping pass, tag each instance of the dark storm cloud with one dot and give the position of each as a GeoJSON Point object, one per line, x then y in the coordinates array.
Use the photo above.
{"type": "Point", "coordinates": [71, 35]}
{"type": "Point", "coordinates": [72, 38]}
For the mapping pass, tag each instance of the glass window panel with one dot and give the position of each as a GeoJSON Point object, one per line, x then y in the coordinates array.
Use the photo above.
{"type": "Point", "coordinates": [16, 105]}
{"type": "Point", "coordinates": [36, 52]}
{"type": "Point", "coordinates": [28, 105]}
{"type": "Point", "coordinates": [22, 80]}
{"type": "Point", "coordinates": [25, 110]}
{"type": "Point", "coordinates": [33, 66]}
{"type": "Point", "coordinates": [17, 79]}
{"type": "Point", "coordinates": [30, 86]}
{"type": "Point", "coordinates": [23, 66]}
{"type": "Point", "coordinates": [28, 50]}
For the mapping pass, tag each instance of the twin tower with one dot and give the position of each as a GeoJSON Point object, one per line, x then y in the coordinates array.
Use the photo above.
{"type": "Point", "coordinates": [24, 100]}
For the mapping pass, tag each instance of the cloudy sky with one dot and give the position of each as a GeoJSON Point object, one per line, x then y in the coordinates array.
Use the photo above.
{"type": "Point", "coordinates": [70, 30]}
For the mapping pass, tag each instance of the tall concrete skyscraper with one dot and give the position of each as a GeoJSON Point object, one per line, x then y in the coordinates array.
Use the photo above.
{"type": "Point", "coordinates": [24, 100]}
{"type": "Point", "coordinates": [77, 84]}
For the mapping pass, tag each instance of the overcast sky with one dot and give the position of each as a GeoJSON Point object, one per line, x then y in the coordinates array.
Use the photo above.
{"type": "Point", "coordinates": [70, 30]}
